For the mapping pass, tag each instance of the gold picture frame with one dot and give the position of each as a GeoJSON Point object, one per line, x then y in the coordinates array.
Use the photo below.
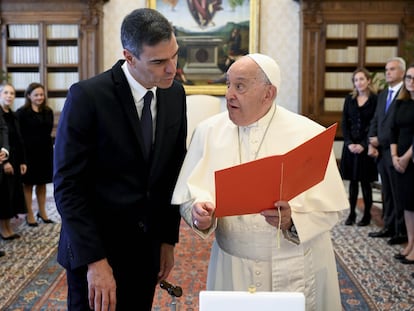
{"type": "Point", "coordinates": [203, 34]}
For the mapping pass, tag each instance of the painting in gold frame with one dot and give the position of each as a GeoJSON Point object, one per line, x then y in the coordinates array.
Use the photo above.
{"type": "Point", "coordinates": [211, 35]}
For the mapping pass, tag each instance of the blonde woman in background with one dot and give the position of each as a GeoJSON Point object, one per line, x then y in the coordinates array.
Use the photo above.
{"type": "Point", "coordinates": [11, 189]}
{"type": "Point", "coordinates": [356, 165]}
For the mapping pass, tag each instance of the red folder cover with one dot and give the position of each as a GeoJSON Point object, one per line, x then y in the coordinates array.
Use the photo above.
{"type": "Point", "coordinates": [252, 187]}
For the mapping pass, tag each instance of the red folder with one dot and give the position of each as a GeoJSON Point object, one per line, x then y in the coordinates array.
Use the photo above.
{"type": "Point", "coordinates": [252, 187]}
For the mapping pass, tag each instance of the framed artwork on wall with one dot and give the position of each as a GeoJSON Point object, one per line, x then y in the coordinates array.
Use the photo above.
{"type": "Point", "coordinates": [211, 35]}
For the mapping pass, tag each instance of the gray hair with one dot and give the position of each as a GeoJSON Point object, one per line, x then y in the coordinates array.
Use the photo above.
{"type": "Point", "coordinates": [400, 60]}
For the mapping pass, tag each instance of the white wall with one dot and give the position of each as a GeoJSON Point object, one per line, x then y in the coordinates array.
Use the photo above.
{"type": "Point", "coordinates": [279, 38]}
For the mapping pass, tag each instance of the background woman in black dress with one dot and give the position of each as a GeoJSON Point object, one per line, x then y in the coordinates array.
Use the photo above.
{"type": "Point", "coordinates": [356, 165]}
{"type": "Point", "coordinates": [4, 142]}
{"type": "Point", "coordinates": [402, 133]}
{"type": "Point", "coordinates": [11, 188]}
{"type": "Point", "coordinates": [36, 123]}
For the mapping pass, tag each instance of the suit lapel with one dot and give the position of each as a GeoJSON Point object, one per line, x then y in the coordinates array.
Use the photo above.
{"type": "Point", "coordinates": [127, 103]}
{"type": "Point", "coordinates": [392, 106]}
{"type": "Point", "coordinates": [382, 104]}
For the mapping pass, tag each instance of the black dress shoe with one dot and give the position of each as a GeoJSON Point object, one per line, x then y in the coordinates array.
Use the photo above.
{"type": "Point", "coordinates": [350, 220]}
{"type": "Point", "coordinates": [398, 239]}
{"type": "Point", "coordinates": [399, 256]}
{"type": "Point", "coordinates": [407, 261]}
{"type": "Point", "coordinates": [364, 222]}
{"type": "Point", "coordinates": [384, 233]}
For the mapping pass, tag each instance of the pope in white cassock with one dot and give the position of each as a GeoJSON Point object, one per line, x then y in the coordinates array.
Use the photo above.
{"type": "Point", "coordinates": [248, 251]}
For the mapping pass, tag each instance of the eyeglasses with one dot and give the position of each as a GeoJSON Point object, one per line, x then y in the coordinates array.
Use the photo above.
{"type": "Point", "coordinates": [409, 78]}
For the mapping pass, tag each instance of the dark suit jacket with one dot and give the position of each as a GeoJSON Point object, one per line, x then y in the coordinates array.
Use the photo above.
{"type": "Point", "coordinates": [381, 122]}
{"type": "Point", "coordinates": [104, 190]}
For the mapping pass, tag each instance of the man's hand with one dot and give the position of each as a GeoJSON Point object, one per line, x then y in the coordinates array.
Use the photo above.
{"type": "Point", "coordinates": [101, 286]}
{"type": "Point", "coordinates": [8, 168]}
{"type": "Point", "coordinates": [374, 141]}
{"type": "Point", "coordinates": [3, 156]}
{"type": "Point", "coordinates": [166, 261]}
{"type": "Point", "coordinates": [372, 151]}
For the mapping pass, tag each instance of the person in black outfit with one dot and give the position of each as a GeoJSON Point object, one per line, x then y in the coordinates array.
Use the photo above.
{"type": "Point", "coordinates": [379, 148]}
{"type": "Point", "coordinates": [402, 133]}
{"type": "Point", "coordinates": [112, 191]}
{"type": "Point", "coordinates": [11, 187]}
{"type": "Point", "coordinates": [356, 166]}
{"type": "Point", "coordinates": [4, 145]}
{"type": "Point", "coordinates": [36, 124]}
{"type": "Point", "coordinates": [4, 142]}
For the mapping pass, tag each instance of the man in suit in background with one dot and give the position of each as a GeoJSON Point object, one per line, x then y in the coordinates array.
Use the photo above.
{"type": "Point", "coordinates": [379, 147]}
{"type": "Point", "coordinates": [113, 193]}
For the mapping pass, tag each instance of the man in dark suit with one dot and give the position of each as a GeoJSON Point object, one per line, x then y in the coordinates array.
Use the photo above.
{"type": "Point", "coordinates": [379, 139]}
{"type": "Point", "coordinates": [114, 195]}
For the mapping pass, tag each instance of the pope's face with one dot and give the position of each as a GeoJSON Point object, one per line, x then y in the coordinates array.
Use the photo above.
{"type": "Point", "coordinates": [248, 95]}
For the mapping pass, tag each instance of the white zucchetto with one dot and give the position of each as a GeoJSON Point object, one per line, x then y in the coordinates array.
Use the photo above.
{"type": "Point", "coordinates": [269, 66]}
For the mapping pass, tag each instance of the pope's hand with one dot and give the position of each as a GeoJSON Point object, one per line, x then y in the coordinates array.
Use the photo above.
{"type": "Point", "coordinates": [281, 211]}
{"type": "Point", "coordinates": [203, 215]}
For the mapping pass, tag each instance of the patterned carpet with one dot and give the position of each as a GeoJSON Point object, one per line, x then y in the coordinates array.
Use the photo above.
{"type": "Point", "coordinates": [385, 283]}
{"type": "Point", "coordinates": [27, 257]}
{"type": "Point", "coordinates": [370, 279]}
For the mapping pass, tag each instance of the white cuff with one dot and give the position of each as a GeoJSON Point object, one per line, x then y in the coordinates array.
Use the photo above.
{"type": "Point", "coordinates": [6, 151]}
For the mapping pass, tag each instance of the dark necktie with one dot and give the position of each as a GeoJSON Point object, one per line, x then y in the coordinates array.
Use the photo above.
{"type": "Point", "coordinates": [146, 123]}
{"type": "Point", "coordinates": [389, 100]}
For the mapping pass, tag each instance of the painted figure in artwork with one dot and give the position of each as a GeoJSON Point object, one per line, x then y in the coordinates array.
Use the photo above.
{"type": "Point", "coordinates": [172, 3]}
{"type": "Point", "coordinates": [203, 11]}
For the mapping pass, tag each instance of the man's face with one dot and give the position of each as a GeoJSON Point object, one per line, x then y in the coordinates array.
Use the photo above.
{"type": "Point", "coordinates": [393, 73]}
{"type": "Point", "coordinates": [156, 66]}
{"type": "Point", "coordinates": [248, 96]}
